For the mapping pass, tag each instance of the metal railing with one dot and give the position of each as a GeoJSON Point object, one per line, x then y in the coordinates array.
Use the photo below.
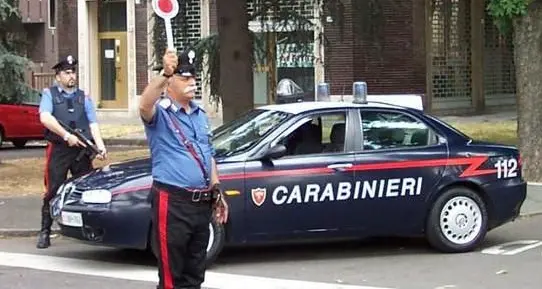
{"type": "Point", "coordinates": [41, 80]}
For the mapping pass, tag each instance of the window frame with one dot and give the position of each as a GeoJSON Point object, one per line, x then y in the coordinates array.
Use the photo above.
{"type": "Point", "coordinates": [360, 144]}
{"type": "Point", "coordinates": [52, 22]}
{"type": "Point", "coordinates": [303, 118]}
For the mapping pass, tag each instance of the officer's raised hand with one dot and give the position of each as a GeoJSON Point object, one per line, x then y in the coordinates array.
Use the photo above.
{"type": "Point", "coordinates": [169, 62]}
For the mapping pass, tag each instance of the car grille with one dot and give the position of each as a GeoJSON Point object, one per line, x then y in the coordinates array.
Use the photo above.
{"type": "Point", "coordinates": [75, 194]}
{"type": "Point", "coordinates": [72, 194]}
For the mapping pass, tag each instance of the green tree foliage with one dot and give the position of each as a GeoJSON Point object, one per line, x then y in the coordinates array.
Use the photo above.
{"type": "Point", "coordinates": [13, 63]}
{"type": "Point", "coordinates": [504, 12]}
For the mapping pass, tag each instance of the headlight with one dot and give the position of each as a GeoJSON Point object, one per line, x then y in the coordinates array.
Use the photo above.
{"type": "Point", "coordinates": [96, 197]}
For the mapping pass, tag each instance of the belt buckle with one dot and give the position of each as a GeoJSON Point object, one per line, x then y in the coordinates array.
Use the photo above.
{"type": "Point", "coordinates": [194, 194]}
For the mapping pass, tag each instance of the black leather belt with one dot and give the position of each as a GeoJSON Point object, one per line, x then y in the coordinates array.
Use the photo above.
{"type": "Point", "coordinates": [194, 195]}
{"type": "Point", "coordinates": [199, 195]}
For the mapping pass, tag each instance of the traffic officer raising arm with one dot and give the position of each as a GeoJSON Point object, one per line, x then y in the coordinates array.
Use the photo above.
{"type": "Point", "coordinates": [186, 192]}
{"type": "Point", "coordinates": [65, 102]}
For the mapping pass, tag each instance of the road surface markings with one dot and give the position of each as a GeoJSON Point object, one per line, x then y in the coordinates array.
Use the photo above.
{"type": "Point", "coordinates": [149, 274]}
{"type": "Point", "coordinates": [512, 248]}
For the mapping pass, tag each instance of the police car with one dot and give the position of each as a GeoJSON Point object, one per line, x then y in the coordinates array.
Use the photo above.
{"type": "Point", "coordinates": [321, 170]}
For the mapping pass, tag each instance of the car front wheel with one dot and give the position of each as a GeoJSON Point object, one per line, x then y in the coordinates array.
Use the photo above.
{"type": "Point", "coordinates": [457, 221]}
{"type": "Point", "coordinates": [217, 237]}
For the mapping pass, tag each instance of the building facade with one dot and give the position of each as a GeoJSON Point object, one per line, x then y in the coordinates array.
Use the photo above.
{"type": "Point", "coordinates": [40, 24]}
{"type": "Point", "coordinates": [446, 50]}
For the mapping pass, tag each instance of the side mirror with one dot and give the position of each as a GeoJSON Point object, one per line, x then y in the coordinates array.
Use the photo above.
{"type": "Point", "coordinates": [275, 152]}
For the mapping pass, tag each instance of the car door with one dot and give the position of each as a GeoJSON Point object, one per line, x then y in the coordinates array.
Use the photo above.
{"type": "Point", "coordinates": [301, 193]}
{"type": "Point", "coordinates": [14, 121]}
{"type": "Point", "coordinates": [401, 160]}
{"type": "Point", "coordinates": [33, 124]}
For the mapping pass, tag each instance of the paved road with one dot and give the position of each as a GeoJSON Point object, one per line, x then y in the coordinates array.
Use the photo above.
{"type": "Point", "coordinates": [32, 149]}
{"type": "Point", "coordinates": [37, 149]}
{"type": "Point", "coordinates": [395, 263]}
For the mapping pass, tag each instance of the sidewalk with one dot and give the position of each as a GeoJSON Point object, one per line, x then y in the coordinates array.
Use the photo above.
{"type": "Point", "coordinates": [20, 216]}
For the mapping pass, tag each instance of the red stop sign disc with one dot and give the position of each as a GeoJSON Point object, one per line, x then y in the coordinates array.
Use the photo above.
{"type": "Point", "coordinates": [166, 9]}
{"type": "Point", "coordinates": [165, 5]}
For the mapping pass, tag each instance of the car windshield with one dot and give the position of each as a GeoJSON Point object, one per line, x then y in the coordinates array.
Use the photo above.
{"type": "Point", "coordinates": [246, 131]}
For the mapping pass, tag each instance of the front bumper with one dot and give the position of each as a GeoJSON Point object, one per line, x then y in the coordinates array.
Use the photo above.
{"type": "Point", "coordinates": [117, 224]}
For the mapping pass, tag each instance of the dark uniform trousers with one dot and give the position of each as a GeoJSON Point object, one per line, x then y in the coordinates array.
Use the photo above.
{"type": "Point", "coordinates": [60, 158]}
{"type": "Point", "coordinates": [180, 235]}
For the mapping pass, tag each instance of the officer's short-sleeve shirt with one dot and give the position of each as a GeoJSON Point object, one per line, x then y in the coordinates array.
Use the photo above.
{"type": "Point", "coordinates": [46, 103]}
{"type": "Point", "coordinates": [172, 163]}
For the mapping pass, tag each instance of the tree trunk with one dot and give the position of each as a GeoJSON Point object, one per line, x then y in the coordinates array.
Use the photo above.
{"type": "Point", "coordinates": [236, 75]}
{"type": "Point", "coordinates": [528, 63]}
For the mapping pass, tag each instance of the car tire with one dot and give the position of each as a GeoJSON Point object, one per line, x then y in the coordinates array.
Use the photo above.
{"type": "Point", "coordinates": [217, 238]}
{"type": "Point", "coordinates": [1, 136]}
{"type": "Point", "coordinates": [19, 143]}
{"type": "Point", "coordinates": [457, 221]}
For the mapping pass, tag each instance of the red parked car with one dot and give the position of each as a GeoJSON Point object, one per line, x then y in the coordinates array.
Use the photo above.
{"type": "Point", "coordinates": [20, 123]}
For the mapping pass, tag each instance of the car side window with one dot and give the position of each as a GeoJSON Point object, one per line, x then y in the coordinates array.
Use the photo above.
{"type": "Point", "coordinates": [319, 133]}
{"type": "Point", "coordinates": [390, 130]}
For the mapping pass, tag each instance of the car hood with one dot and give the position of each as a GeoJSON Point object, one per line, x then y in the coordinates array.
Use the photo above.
{"type": "Point", "coordinates": [118, 174]}
{"type": "Point", "coordinates": [114, 175]}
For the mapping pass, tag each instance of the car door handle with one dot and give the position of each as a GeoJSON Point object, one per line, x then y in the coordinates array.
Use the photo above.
{"type": "Point", "coordinates": [339, 166]}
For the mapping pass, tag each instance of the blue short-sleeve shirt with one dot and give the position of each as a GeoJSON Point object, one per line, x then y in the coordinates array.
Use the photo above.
{"type": "Point", "coordinates": [46, 103]}
{"type": "Point", "coordinates": [172, 163]}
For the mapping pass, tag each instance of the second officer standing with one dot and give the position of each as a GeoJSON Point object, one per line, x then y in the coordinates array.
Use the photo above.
{"type": "Point", "coordinates": [65, 102]}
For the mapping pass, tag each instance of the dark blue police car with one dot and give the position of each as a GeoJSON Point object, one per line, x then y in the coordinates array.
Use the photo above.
{"type": "Point", "coordinates": [320, 170]}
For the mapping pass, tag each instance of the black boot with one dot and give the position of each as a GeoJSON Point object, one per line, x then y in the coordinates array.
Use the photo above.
{"type": "Point", "coordinates": [44, 240]}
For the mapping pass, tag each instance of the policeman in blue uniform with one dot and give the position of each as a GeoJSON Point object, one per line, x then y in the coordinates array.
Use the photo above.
{"type": "Point", "coordinates": [65, 102]}
{"type": "Point", "coordinates": [185, 193]}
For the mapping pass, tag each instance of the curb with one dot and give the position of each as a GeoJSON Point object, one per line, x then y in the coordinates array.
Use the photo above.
{"type": "Point", "coordinates": [23, 232]}
{"type": "Point", "coordinates": [125, 142]}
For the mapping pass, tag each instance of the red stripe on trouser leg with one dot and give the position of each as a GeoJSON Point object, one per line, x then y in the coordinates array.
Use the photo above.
{"type": "Point", "coordinates": [162, 230]}
{"type": "Point", "coordinates": [48, 152]}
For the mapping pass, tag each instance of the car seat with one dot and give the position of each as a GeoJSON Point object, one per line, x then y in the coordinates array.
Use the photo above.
{"type": "Point", "coordinates": [311, 140]}
{"type": "Point", "coordinates": [337, 136]}
{"type": "Point", "coordinates": [419, 138]}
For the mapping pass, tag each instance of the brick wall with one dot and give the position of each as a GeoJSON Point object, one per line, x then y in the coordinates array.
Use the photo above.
{"type": "Point", "coordinates": [338, 53]}
{"type": "Point", "coordinates": [387, 56]}
{"type": "Point", "coordinates": [141, 35]}
{"type": "Point", "coordinates": [67, 27]}
{"type": "Point", "coordinates": [393, 64]}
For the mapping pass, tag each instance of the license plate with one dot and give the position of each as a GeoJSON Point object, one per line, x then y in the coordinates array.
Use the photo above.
{"type": "Point", "coordinates": [72, 219]}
